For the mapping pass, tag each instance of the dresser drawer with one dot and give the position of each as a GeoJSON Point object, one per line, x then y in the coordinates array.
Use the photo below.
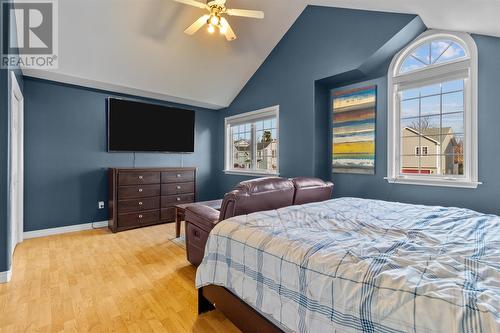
{"type": "Point", "coordinates": [177, 176]}
{"type": "Point", "coordinates": [137, 219]}
{"type": "Point", "coordinates": [137, 178]}
{"type": "Point", "coordinates": [168, 214]}
{"type": "Point", "coordinates": [138, 191]}
{"type": "Point", "coordinates": [172, 200]}
{"type": "Point", "coordinates": [177, 188]}
{"type": "Point", "coordinates": [134, 205]}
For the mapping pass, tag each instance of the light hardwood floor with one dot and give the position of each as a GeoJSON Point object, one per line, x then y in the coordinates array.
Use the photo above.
{"type": "Point", "coordinates": [96, 281]}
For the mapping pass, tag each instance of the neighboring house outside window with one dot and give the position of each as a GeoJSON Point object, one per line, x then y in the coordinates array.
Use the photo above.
{"type": "Point", "coordinates": [252, 142]}
{"type": "Point", "coordinates": [432, 125]}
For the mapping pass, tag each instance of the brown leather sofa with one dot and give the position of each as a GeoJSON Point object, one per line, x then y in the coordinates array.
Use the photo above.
{"type": "Point", "coordinates": [247, 197]}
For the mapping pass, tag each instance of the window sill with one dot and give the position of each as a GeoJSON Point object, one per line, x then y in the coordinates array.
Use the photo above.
{"type": "Point", "coordinates": [250, 173]}
{"type": "Point", "coordinates": [435, 182]}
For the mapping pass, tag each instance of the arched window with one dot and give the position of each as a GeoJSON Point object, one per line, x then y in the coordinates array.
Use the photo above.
{"type": "Point", "coordinates": [432, 116]}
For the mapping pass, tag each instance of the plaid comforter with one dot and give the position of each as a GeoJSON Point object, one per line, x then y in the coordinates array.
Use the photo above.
{"type": "Point", "coordinates": [356, 265]}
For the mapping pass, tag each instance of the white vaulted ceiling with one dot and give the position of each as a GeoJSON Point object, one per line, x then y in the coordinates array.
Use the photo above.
{"type": "Point", "coordinates": [138, 46]}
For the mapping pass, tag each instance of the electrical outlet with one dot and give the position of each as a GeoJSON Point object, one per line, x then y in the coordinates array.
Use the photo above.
{"type": "Point", "coordinates": [100, 204]}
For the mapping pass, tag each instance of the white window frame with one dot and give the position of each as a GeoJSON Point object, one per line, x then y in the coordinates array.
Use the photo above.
{"type": "Point", "coordinates": [272, 111]}
{"type": "Point", "coordinates": [426, 150]}
{"type": "Point", "coordinates": [419, 150]}
{"type": "Point", "coordinates": [466, 68]}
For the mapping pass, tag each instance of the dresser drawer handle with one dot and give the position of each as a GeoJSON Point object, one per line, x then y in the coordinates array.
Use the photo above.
{"type": "Point", "coordinates": [140, 216]}
{"type": "Point", "coordinates": [140, 190]}
{"type": "Point", "coordinates": [178, 199]}
{"type": "Point", "coordinates": [196, 233]}
{"type": "Point", "coordinates": [178, 187]}
{"type": "Point", "coordinates": [178, 175]}
{"type": "Point", "coordinates": [140, 203]}
{"type": "Point", "coordinates": [140, 177]}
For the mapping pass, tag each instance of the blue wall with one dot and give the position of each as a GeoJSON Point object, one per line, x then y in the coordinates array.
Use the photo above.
{"type": "Point", "coordinates": [66, 158]}
{"type": "Point", "coordinates": [485, 197]}
{"type": "Point", "coordinates": [342, 40]}
{"type": "Point", "coordinates": [66, 153]}
{"type": "Point", "coordinates": [325, 46]}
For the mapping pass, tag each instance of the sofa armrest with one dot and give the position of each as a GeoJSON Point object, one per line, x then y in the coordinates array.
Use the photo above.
{"type": "Point", "coordinates": [202, 216]}
{"type": "Point", "coordinates": [309, 189]}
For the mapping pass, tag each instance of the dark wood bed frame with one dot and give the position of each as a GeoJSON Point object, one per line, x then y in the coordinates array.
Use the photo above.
{"type": "Point", "coordinates": [240, 313]}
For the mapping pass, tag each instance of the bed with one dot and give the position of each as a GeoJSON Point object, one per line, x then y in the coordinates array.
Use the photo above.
{"type": "Point", "coordinates": [358, 265]}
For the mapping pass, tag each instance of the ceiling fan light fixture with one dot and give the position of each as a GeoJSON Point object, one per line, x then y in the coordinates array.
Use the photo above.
{"type": "Point", "coordinates": [214, 20]}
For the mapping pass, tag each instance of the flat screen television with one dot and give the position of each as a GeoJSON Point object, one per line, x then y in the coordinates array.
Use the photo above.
{"type": "Point", "coordinates": [136, 126]}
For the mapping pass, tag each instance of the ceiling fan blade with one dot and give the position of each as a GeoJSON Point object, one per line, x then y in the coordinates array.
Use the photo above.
{"type": "Point", "coordinates": [229, 32]}
{"type": "Point", "coordinates": [246, 13]}
{"type": "Point", "coordinates": [192, 3]}
{"type": "Point", "coordinates": [197, 25]}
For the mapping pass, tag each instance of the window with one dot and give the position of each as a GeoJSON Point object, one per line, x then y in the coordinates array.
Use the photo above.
{"type": "Point", "coordinates": [432, 125]}
{"type": "Point", "coordinates": [252, 142]}
{"type": "Point", "coordinates": [425, 150]}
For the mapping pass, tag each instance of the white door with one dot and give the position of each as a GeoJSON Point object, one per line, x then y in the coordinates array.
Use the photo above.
{"type": "Point", "coordinates": [16, 164]}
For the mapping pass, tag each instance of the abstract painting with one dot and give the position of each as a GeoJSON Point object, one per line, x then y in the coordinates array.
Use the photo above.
{"type": "Point", "coordinates": [354, 114]}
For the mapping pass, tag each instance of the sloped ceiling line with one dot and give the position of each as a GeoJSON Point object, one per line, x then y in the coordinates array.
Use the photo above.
{"type": "Point", "coordinates": [128, 53]}
{"type": "Point", "coordinates": [376, 64]}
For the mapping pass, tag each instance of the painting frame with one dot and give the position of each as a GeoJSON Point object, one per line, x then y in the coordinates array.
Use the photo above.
{"type": "Point", "coordinates": [354, 115]}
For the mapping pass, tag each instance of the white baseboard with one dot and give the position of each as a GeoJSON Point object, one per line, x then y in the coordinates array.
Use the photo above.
{"type": "Point", "coordinates": [5, 276]}
{"type": "Point", "coordinates": [63, 230]}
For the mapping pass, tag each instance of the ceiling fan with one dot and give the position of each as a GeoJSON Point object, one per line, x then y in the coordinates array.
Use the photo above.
{"type": "Point", "coordinates": [216, 19]}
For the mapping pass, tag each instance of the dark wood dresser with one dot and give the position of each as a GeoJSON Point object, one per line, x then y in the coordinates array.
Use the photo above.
{"type": "Point", "coordinates": [143, 197]}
